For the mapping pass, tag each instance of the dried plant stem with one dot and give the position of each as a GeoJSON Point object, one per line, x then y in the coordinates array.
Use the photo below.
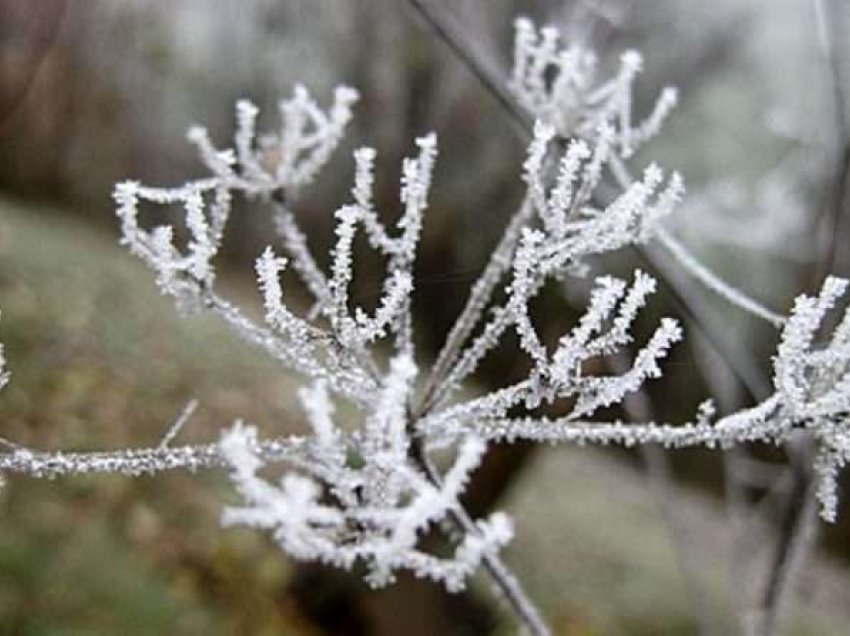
{"type": "Point", "coordinates": [506, 585]}
{"type": "Point", "coordinates": [695, 268]}
{"type": "Point", "coordinates": [710, 280]}
{"type": "Point", "coordinates": [479, 298]}
{"type": "Point", "coordinates": [797, 530]}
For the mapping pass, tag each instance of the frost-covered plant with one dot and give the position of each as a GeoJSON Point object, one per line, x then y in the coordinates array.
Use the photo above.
{"type": "Point", "coordinates": [575, 101]}
{"type": "Point", "coordinates": [367, 489]}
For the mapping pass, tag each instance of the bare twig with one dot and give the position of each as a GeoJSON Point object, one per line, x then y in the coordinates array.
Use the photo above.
{"type": "Point", "coordinates": [659, 471]}
{"type": "Point", "coordinates": [179, 423]}
{"type": "Point", "coordinates": [795, 538]}
{"type": "Point", "coordinates": [504, 582]}
{"type": "Point", "coordinates": [829, 15]}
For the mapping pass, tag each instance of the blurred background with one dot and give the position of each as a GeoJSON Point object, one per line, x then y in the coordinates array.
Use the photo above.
{"type": "Point", "coordinates": [97, 91]}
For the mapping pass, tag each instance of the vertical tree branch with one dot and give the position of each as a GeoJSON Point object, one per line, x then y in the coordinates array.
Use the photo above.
{"type": "Point", "coordinates": [829, 16]}
{"type": "Point", "coordinates": [795, 537]}
{"type": "Point", "coordinates": [658, 469]}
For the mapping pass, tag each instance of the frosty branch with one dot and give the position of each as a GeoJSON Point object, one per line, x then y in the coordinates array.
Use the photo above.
{"type": "Point", "coordinates": [367, 491]}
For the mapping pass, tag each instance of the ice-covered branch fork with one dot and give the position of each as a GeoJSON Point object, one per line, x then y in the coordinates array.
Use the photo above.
{"type": "Point", "coordinates": [812, 393]}
{"type": "Point", "coordinates": [559, 85]}
{"type": "Point", "coordinates": [352, 496]}
{"type": "Point", "coordinates": [569, 230]}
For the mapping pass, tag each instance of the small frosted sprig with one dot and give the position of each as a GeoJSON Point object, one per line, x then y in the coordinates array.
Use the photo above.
{"type": "Point", "coordinates": [301, 336]}
{"type": "Point", "coordinates": [399, 247]}
{"type": "Point", "coordinates": [572, 226]}
{"type": "Point", "coordinates": [335, 353]}
{"type": "Point", "coordinates": [602, 332]}
{"type": "Point", "coordinates": [813, 382]}
{"type": "Point", "coordinates": [560, 86]}
{"type": "Point", "coordinates": [571, 230]}
{"type": "Point", "coordinates": [287, 160]}
{"type": "Point", "coordinates": [181, 272]}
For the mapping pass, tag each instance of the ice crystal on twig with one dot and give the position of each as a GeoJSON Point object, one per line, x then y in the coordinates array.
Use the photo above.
{"type": "Point", "coordinates": [572, 226]}
{"type": "Point", "coordinates": [571, 229]}
{"type": "Point", "coordinates": [187, 272]}
{"type": "Point", "coordinates": [811, 384]}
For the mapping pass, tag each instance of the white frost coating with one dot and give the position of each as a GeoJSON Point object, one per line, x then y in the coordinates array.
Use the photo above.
{"type": "Point", "coordinates": [364, 490]}
{"type": "Point", "coordinates": [561, 375]}
{"type": "Point", "coordinates": [813, 382]}
{"type": "Point", "coordinates": [349, 497]}
{"type": "Point", "coordinates": [336, 355]}
{"type": "Point", "coordinates": [573, 105]}
{"type": "Point", "coordinates": [573, 227]}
